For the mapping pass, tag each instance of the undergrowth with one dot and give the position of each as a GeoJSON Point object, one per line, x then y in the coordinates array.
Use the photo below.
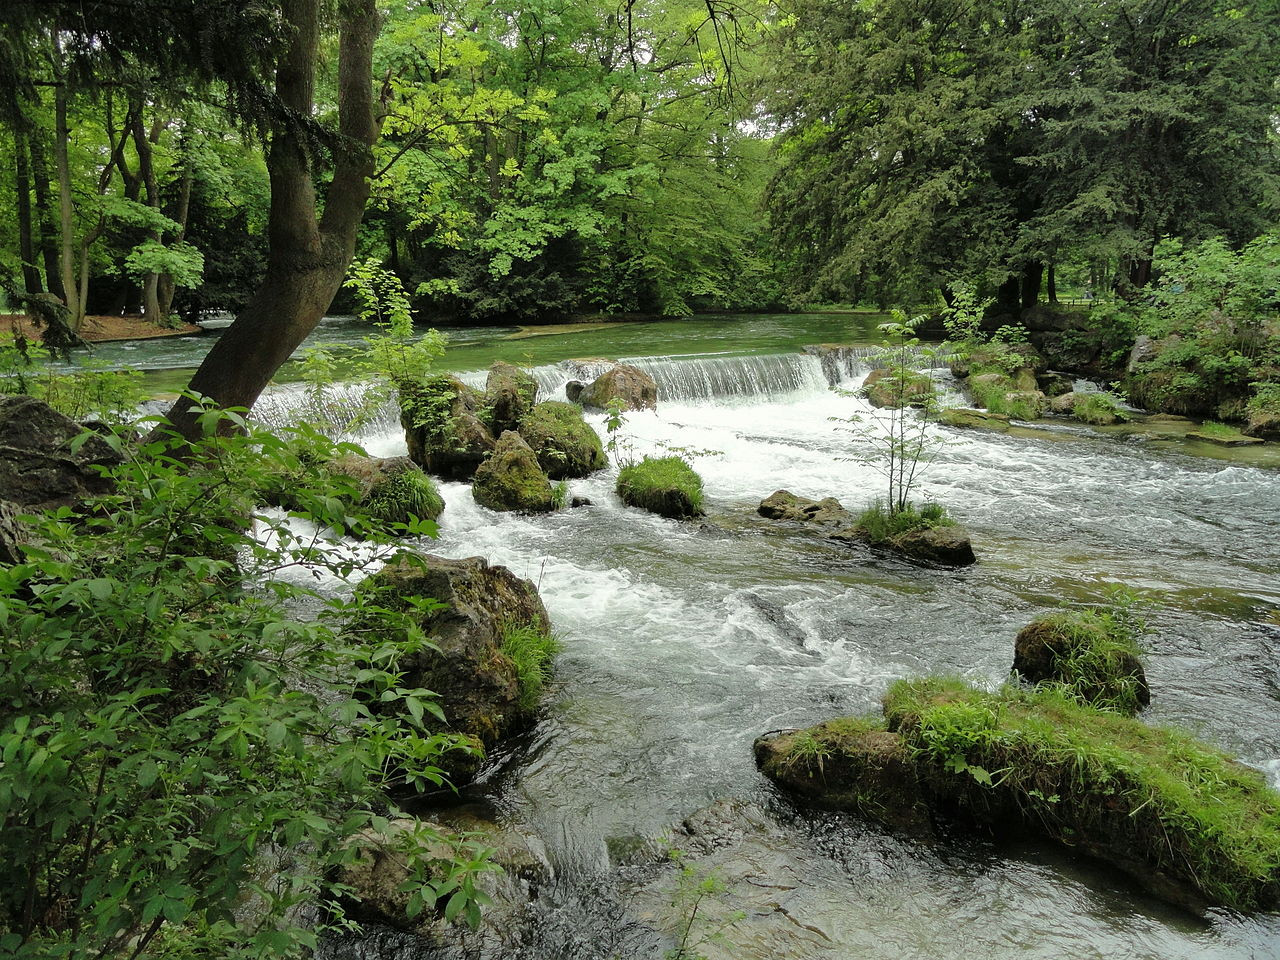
{"type": "Point", "coordinates": [880, 524]}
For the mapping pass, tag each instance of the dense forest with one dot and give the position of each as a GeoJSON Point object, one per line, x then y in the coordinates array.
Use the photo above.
{"type": "Point", "coordinates": [240, 700]}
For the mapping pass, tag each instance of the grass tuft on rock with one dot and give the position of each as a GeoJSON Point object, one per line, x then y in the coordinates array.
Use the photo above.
{"type": "Point", "coordinates": [1095, 656]}
{"type": "Point", "coordinates": [404, 496]}
{"type": "Point", "coordinates": [667, 486]}
{"type": "Point", "coordinates": [531, 650]}
{"type": "Point", "coordinates": [1155, 801]}
{"type": "Point", "coordinates": [880, 525]}
{"type": "Point", "coordinates": [1100, 409]}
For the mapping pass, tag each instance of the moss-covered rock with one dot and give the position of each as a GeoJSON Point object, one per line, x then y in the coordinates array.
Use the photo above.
{"type": "Point", "coordinates": [926, 535]}
{"type": "Point", "coordinates": [565, 444]}
{"type": "Point", "coordinates": [512, 479]}
{"type": "Point", "coordinates": [467, 667]}
{"type": "Point", "coordinates": [394, 489]}
{"type": "Point", "coordinates": [883, 389]}
{"type": "Point", "coordinates": [1093, 655]}
{"type": "Point", "coordinates": [634, 388]}
{"type": "Point", "coordinates": [849, 763]}
{"type": "Point", "coordinates": [509, 394]}
{"type": "Point", "coordinates": [967, 419]}
{"type": "Point", "coordinates": [1187, 821]}
{"type": "Point", "coordinates": [667, 486]}
{"type": "Point", "coordinates": [442, 429]}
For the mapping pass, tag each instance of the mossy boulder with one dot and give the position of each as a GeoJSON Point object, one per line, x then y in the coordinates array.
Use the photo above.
{"type": "Point", "coordinates": [42, 464]}
{"type": "Point", "coordinates": [394, 489]}
{"type": "Point", "coordinates": [509, 394]}
{"type": "Point", "coordinates": [883, 389]}
{"type": "Point", "coordinates": [565, 444]}
{"type": "Point", "coordinates": [442, 428]}
{"type": "Point", "coordinates": [1093, 655]}
{"type": "Point", "coordinates": [511, 479]}
{"type": "Point", "coordinates": [925, 535]}
{"type": "Point", "coordinates": [849, 763]}
{"type": "Point", "coordinates": [467, 666]}
{"type": "Point", "coordinates": [785, 505]}
{"type": "Point", "coordinates": [968, 419]}
{"type": "Point", "coordinates": [944, 546]}
{"type": "Point", "coordinates": [1263, 424]}
{"type": "Point", "coordinates": [634, 388]}
{"type": "Point", "coordinates": [1001, 357]}
{"type": "Point", "coordinates": [1187, 821]}
{"type": "Point", "coordinates": [667, 486]}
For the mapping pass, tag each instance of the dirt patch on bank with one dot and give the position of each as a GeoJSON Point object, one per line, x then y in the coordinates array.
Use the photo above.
{"type": "Point", "coordinates": [100, 329]}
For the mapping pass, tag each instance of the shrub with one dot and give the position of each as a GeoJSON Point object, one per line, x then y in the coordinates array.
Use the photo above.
{"type": "Point", "coordinates": [531, 650]}
{"type": "Point", "coordinates": [168, 721]}
{"type": "Point", "coordinates": [664, 485]}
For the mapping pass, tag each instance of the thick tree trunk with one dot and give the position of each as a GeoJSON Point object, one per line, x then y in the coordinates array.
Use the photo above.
{"type": "Point", "coordinates": [306, 259]}
{"type": "Point", "coordinates": [1032, 277]}
{"type": "Point", "coordinates": [1008, 297]}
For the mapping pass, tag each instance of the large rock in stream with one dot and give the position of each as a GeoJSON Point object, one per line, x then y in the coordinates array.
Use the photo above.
{"type": "Point", "coordinates": [41, 466]}
{"type": "Point", "coordinates": [510, 393]}
{"type": "Point", "coordinates": [632, 386]}
{"type": "Point", "coordinates": [512, 479]}
{"type": "Point", "coordinates": [442, 428]}
{"type": "Point", "coordinates": [478, 605]}
{"type": "Point", "coordinates": [565, 444]}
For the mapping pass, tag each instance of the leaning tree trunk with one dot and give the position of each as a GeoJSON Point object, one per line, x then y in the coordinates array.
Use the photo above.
{"type": "Point", "coordinates": [307, 257]}
{"type": "Point", "coordinates": [44, 210]}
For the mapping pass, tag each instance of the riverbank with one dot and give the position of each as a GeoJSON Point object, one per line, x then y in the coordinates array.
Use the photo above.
{"type": "Point", "coordinates": [100, 328]}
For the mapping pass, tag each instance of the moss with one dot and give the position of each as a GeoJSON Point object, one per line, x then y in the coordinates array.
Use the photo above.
{"type": "Point", "coordinates": [531, 650]}
{"type": "Point", "coordinates": [1100, 409]}
{"type": "Point", "coordinates": [565, 444]}
{"type": "Point", "coordinates": [1157, 802]}
{"type": "Point", "coordinates": [664, 485]}
{"type": "Point", "coordinates": [890, 389]}
{"type": "Point", "coordinates": [400, 497]}
{"type": "Point", "coordinates": [880, 526]}
{"type": "Point", "coordinates": [512, 480]}
{"type": "Point", "coordinates": [1094, 656]}
{"type": "Point", "coordinates": [973, 419]}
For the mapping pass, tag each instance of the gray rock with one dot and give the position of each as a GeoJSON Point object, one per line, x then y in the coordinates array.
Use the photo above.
{"type": "Point", "coordinates": [42, 465]}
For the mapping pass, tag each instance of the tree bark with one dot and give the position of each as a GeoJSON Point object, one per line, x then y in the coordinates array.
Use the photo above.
{"type": "Point", "coordinates": [306, 259]}
{"type": "Point", "coordinates": [66, 215]}
{"type": "Point", "coordinates": [180, 216]}
{"type": "Point", "coordinates": [1032, 277]}
{"type": "Point", "coordinates": [146, 170]}
{"type": "Point", "coordinates": [1052, 283]}
{"type": "Point", "coordinates": [22, 192]}
{"type": "Point", "coordinates": [44, 211]}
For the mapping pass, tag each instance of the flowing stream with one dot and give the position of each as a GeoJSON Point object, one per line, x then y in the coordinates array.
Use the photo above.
{"type": "Point", "coordinates": [684, 641]}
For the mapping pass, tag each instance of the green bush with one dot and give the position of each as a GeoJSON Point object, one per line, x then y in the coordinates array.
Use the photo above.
{"type": "Point", "coordinates": [531, 650]}
{"type": "Point", "coordinates": [880, 525]}
{"type": "Point", "coordinates": [664, 485]}
{"type": "Point", "coordinates": [404, 497]}
{"type": "Point", "coordinates": [1158, 796]}
{"type": "Point", "coordinates": [169, 723]}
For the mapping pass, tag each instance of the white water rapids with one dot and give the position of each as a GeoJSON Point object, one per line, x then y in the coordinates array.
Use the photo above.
{"type": "Point", "coordinates": [684, 641]}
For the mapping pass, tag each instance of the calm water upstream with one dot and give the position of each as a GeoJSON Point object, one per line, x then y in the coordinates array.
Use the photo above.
{"type": "Point", "coordinates": [683, 642]}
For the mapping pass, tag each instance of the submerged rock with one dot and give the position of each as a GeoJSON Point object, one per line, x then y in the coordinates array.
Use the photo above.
{"type": "Point", "coordinates": [40, 466]}
{"type": "Point", "coordinates": [444, 434]}
{"type": "Point", "coordinates": [967, 419]}
{"type": "Point", "coordinates": [512, 479]}
{"type": "Point", "coordinates": [509, 393]}
{"type": "Point", "coordinates": [478, 684]}
{"type": "Point", "coordinates": [631, 385]}
{"type": "Point", "coordinates": [565, 444]}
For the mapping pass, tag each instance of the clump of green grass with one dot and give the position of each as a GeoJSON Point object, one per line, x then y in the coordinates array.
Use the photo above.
{"type": "Point", "coordinates": [1156, 800]}
{"type": "Point", "coordinates": [1219, 431]}
{"type": "Point", "coordinates": [880, 525]}
{"type": "Point", "coordinates": [664, 485]}
{"type": "Point", "coordinates": [402, 496]}
{"type": "Point", "coordinates": [531, 650]}
{"type": "Point", "coordinates": [1101, 409]}
{"type": "Point", "coordinates": [1096, 656]}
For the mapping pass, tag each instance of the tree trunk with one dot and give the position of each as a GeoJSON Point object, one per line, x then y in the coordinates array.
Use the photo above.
{"type": "Point", "coordinates": [66, 215]}
{"type": "Point", "coordinates": [146, 170]}
{"type": "Point", "coordinates": [306, 259]}
{"type": "Point", "coordinates": [1008, 297]}
{"type": "Point", "coordinates": [44, 210]}
{"type": "Point", "coordinates": [1052, 282]}
{"type": "Point", "coordinates": [1032, 277]}
{"type": "Point", "coordinates": [22, 192]}
{"type": "Point", "coordinates": [181, 215]}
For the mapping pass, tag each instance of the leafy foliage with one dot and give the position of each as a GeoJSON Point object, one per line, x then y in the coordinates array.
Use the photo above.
{"type": "Point", "coordinates": [170, 726]}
